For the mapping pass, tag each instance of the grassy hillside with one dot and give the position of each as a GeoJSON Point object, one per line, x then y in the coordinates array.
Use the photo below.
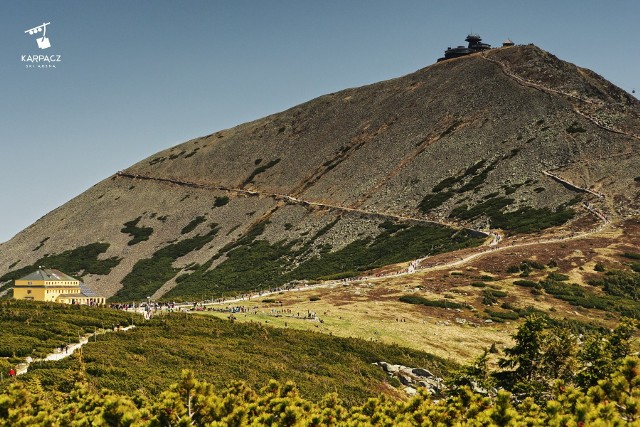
{"type": "Point", "coordinates": [151, 356]}
{"type": "Point", "coordinates": [36, 329]}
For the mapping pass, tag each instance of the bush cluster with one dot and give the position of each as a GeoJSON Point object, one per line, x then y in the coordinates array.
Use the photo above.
{"type": "Point", "coordinates": [75, 262]}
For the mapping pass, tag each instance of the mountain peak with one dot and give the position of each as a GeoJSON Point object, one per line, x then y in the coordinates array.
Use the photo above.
{"type": "Point", "coordinates": [509, 140]}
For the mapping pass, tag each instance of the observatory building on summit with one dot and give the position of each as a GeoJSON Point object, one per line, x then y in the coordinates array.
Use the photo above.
{"type": "Point", "coordinates": [475, 45]}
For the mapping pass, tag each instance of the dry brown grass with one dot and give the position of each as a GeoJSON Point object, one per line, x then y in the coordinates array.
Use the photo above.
{"type": "Point", "coordinates": [370, 309]}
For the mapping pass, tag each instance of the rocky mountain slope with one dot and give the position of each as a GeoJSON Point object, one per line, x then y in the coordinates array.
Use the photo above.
{"type": "Point", "coordinates": [512, 140]}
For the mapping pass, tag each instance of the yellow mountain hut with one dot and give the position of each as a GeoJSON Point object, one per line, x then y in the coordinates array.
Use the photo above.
{"type": "Point", "coordinates": [53, 285]}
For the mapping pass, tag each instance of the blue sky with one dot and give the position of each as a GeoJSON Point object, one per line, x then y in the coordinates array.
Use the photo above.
{"type": "Point", "coordinates": [137, 77]}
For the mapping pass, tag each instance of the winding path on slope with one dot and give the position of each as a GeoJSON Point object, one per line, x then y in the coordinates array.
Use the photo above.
{"type": "Point", "coordinates": [58, 354]}
{"type": "Point", "coordinates": [535, 85]}
{"type": "Point", "coordinates": [297, 201]}
{"type": "Point", "coordinates": [417, 268]}
{"type": "Point", "coordinates": [489, 247]}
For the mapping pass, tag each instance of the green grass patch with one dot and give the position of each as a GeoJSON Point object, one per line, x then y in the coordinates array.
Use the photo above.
{"type": "Point", "coordinates": [37, 328]}
{"type": "Point", "coordinates": [151, 356]}
{"type": "Point", "coordinates": [631, 255]}
{"type": "Point", "coordinates": [418, 300]}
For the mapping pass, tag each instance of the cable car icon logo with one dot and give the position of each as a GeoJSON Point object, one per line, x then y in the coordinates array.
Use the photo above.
{"type": "Point", "coordinates": [43, 42]}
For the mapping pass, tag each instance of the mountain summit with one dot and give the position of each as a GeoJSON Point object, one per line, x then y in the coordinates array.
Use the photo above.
{"type": "Point", "coordinates": [509, 140]}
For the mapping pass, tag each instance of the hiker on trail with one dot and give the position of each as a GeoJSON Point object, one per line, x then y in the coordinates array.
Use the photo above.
{"type": "Point", "coordinates": [12, 372]}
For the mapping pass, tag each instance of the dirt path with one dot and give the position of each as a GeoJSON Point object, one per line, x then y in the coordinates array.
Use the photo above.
{"type": "Point", "coordinates": [543, 88]}
{"type": "Point", "coordinates": [414, 267]}
{"type": "Point", "coordinates": [297, 201]}
{"type": "Point", "coordinates": [59, 354]}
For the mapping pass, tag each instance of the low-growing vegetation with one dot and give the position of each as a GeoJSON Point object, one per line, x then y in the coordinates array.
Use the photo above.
{"type": "Point", "coordinates": [253, 264]}
{"type": "Point", "coordinates": [475, 175]}
{"type": "Point", "coordinates": [260, 169]}
{"type": "Point", "coordinates": [149, 274]}
{"type": "Point", "coordinates": [148, 358]}
{"type": "Point", "coordinates": [138, 234]}
{"type": "Point", "coordinates": [75, 262]}
{"type": "Point", "coordinates": [36, 329]}
{"type": "Point", "coordinates": [193, 224]}
{"type": "Point", "coordinates": [575, 127]}
{"type": "Point", "coordinates": [443, 303]}
{"type": "Point", "coordinates": [548, 377]}
{"type": "Point", "coordinates": [523, 220]}
{"type": "Point", "coordinates": [220, 201]}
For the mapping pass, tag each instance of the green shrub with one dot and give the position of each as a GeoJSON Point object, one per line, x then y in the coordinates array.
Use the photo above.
{"type": "Point", "coordinates": [149, 274]}
{"type": "Point", "coordinates": [526, 283]}
{"type": "Point", "coordinates": [445, 183]}
{"type": "Point", "coordinates": [220, 201]}
{"type": "Point", "coordinates": [76, 262]}
{"type": "Point", "coordinates": [260, 169]}
{"type": "Point", "coordinates": [418, 300]}
{"type": "Point", "coordinates": [253, 264]}
{"type": "Point", "coordinates": [151, 357]}
{"type": "Point", "coordinates": [497, 293]}
{"type": "Point", "coordinates": [193, 224]}
{"type": "Point", "coordinates": [36, 328]}
{"type": "Point", "coordinates": [433, 201]}
{"type": "Point", "coordinates": [512, 269]}
{"type": "Point", "coordinates": [479, 285]}
{"type": "Point", "coordinates": [599, 267]}
{"type": "Point", "coordinates": [139, 234]}
{"type": "Point", "coordinates": [557, 277]}
{"type": "Point", "coordinates": [575, 127]}
{"type": "Point", "coordinates": [502, 315]}
{"type": "Point", "coordinates": [523, 220]}
{"type": "Point", "coordinates": [620, 283]}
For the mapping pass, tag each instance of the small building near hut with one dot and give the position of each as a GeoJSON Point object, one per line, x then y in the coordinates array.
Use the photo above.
{"type": "Point", "coordinates": [54, 286]}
